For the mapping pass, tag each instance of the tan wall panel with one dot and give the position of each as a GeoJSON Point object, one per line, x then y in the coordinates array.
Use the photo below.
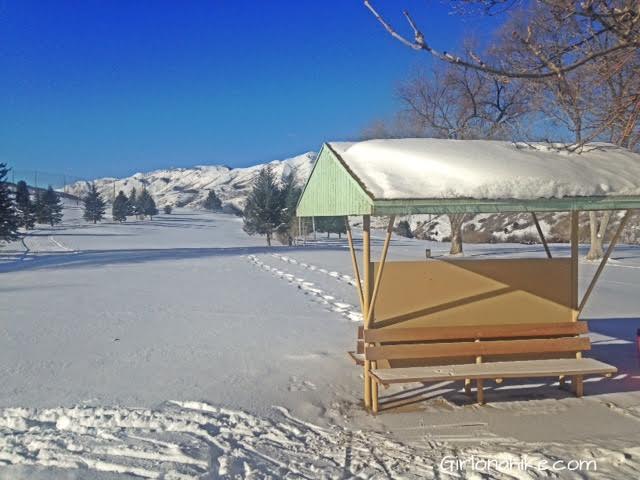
{"type": "Point", "coordinates": [473, 292]}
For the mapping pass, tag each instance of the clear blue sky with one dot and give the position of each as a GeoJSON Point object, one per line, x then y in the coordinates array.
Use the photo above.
{"type": "Point", "coordinates": [95, 87]}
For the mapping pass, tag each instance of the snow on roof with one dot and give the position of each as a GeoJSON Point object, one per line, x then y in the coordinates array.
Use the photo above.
{"type": "Point", "coordinates": [425, 168]}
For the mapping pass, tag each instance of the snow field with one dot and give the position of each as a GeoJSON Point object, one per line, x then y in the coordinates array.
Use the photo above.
{"type": "Point", "coordinates": [349, 311]}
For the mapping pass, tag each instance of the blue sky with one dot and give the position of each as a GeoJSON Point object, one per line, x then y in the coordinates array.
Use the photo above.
{"type": "Point", "coordinates": [102, 87]}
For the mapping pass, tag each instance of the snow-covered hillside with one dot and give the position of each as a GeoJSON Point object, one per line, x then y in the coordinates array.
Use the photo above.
{"type": "Point", "coordinates": [188, 187]}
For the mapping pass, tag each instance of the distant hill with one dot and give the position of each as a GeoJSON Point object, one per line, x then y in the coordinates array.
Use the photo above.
{"type": "Point", "coordinates": [188, 187]}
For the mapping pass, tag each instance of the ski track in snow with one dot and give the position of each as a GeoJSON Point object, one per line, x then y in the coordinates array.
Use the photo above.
{"type": "Point", "coordinates": [191, 440]}
{"type": "Point", "coordinates": [347, 310]}
{"type": "Point", "coordinates": [44, 244]}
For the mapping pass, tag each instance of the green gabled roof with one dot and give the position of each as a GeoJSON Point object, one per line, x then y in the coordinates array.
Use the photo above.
{"type": "Point", "coordinates": [334, 189]}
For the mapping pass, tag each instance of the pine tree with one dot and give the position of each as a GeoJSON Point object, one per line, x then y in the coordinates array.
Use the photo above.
{"type": "Point", "coordinates": [212, 202]}
{"type": "Point", "coordinates": [132, 203]}
{"type": "Point", "coordinates": [94, 206]}
{"type": "Point", "coordinates": [150, 207]}
{"type": "Point", "coordinates": [331, 225]}
{"type": "Point", "coordinates": [141, 200]}
{"type": "Point", "coordinates": [145, 205]}
{"type": "Point", "coordinates": [265, 203]}
{"type": "Point", "coordinates": [48, 207]}
{"type": "Point", "coordinates": [8, 216]}
{"type": "Point", "coordinates": [290, 193]}
{"type": "Point", "coordinates": [24, 206]}
{"type": "Point", "coordinates": [404, 229]}
{"type": "Point", "coordinates": [120, 207]}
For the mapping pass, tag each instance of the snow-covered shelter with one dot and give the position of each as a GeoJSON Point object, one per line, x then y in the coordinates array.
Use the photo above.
{"type": "Point", "coordinates": [491, 313]}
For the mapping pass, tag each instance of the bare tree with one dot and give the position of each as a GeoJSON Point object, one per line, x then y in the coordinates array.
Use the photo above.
{"type": "Point", "coordinates": [620, 19]}
{"type": "Point", "coordinates": [463, 104]}
{"type": "Point", "coordinates": [578, 61]}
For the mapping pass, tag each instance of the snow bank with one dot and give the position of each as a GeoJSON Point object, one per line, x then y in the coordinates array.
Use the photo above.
{"type": "Point", "coordinates": [436, 168]}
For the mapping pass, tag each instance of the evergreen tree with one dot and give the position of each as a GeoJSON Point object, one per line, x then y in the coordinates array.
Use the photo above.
{"type": "Point", "coordinates": [145, 205]}
{"type": "Point", "coordinates": [8, 216]}
{"type": "Point", "coordinates": [120, 207]}
{"type": "Point", "coordinates": [141, 200]}
{"type": "Point", "coordinates": [404, 229]}
{"type": "Point", "coordinates": [212, 202]}
{"type": "Point", "coordinates": [290, 193]}
{"type": "Point", "coordinates": [150, 208]}
{"type": "Point", "coordinates": [331, 225]}
{"type": "Point", "coordinates": [167, 209]}
{"type": "Point", "coordinates": [26, 209]}
{"type": "Point", "coordinates": [94, 206]}
{"type": "Point", "coordinates": [132, 203]}
{"type": "Point", "coordinates": [48, 207]}
{"type": "Point", "coordinates": [265, 204]}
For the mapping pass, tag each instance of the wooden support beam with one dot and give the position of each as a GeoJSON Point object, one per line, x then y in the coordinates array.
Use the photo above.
{"type": "Point", "coordinates": [376, 285]}
{"type": "Point", "coordinates": [541, 234]}
{"type": "Point", "coordinates": [608, 253]}
{"type": "Point", "coordinates": [366, 292]}
{"type": "Point", "coordinates": [374, 398]}
{"type": "Point", "coordinates": [480, 382]}
{"type": "Point", "coordinates": [577, 385]}
{"type": "Point", "coordinates": [574, 263]}
{"type": "Point", "coordinates": [354, 261]}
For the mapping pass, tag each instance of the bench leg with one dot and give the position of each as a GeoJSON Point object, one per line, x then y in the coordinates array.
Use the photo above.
{"type": "Point", "coordinates": [367, 385]}
{"type": "Point", "coordinates": [480, 392]}
{"type": "Point", "coordinates": [374, 397]}
{"type": "Point", "coordinates": [577, 385]}
{"type": "Point", "coordinates": [467, 386]}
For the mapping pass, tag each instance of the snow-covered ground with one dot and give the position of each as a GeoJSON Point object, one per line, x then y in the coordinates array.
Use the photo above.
{"type": "Point", "coordinates": [183, 348]}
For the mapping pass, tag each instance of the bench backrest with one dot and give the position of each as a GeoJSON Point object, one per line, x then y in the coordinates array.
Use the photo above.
{"type": "Point", "coordinates": [491, 342]}
{"type": "Point", "coordinates": [457, 292]}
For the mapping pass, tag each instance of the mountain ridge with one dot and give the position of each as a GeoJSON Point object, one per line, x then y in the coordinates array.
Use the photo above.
{"type": "Point", "coordinates": [189, 186]}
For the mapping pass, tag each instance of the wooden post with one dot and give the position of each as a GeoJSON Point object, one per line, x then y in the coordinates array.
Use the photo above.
{"type": "Point", "coordinates": [612, 245]}
{"type": "Point", "coordinates": [576, 380]}
{"type": "Point", "coordinates": [376, 285]}
{"type": "Point", "coordinates": [480, 382]}
{"type": "Point", "coordinates": [574, 264]}
{"type": "Point", "coordinates": [372, 300]}
{"type": "Point", "coordinates": [354, 261]}
{"type": "Point", "coordinates": [541, 234]}
{"type": "Point", "coordinates": [366, 291]}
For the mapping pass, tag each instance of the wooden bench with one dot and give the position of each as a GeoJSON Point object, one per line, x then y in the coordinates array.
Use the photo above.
{"type": "Point", "coordinates": [480, 353]}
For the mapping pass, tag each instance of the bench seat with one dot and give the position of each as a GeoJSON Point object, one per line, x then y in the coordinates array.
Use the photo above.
{"type": "Point", "coordinates": [494, 370]}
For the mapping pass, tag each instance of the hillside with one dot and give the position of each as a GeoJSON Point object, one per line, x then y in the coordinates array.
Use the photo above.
{"type": "Point", "coordinates": [188, 187]}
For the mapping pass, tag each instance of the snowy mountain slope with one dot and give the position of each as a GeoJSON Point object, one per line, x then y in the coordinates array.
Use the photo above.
{"type": "Point", "coordinates": [188, 187]}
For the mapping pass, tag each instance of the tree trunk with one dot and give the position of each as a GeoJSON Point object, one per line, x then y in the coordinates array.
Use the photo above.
{"type": "Point", "coordinates": [597, 230]}
{"type": "Point", "coordinates": [456, 220]}
{"type": "Point", "coordinates": [268, 239]}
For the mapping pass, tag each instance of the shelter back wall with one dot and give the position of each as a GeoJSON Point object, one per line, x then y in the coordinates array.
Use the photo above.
{"type": "Point", "coordinates": [473, 292]}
